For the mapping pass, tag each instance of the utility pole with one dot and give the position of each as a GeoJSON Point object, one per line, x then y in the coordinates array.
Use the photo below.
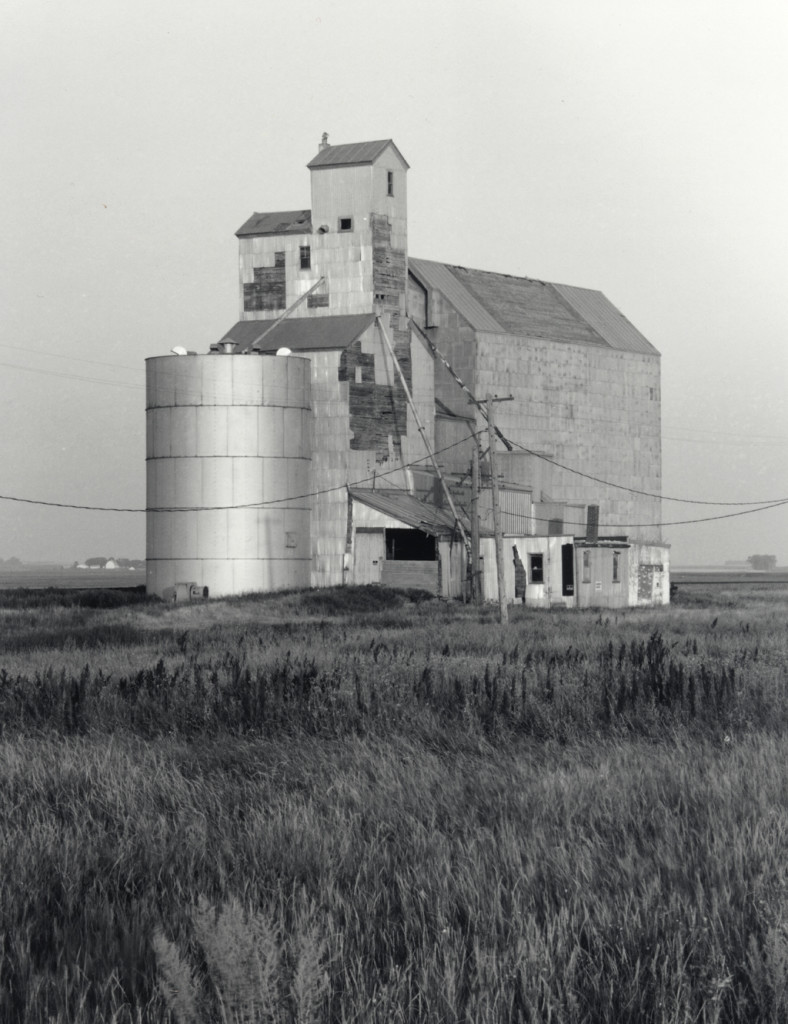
{"type": "Point", "coordinates": [502, 606]}
{"type": "Point", "coordinates": [476, 580]}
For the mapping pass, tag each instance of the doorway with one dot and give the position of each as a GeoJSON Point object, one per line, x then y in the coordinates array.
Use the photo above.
{"type": "Point", "coordinates": [370, 553]}
{"type": "Point", "coordinates": [567, 570]}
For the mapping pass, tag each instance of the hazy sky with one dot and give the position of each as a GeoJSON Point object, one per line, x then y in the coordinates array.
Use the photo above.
{"type": "Point", "coordinates": [637, 148]}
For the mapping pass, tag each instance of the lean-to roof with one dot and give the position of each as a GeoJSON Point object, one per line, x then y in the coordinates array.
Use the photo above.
{"type": "Point", "coordinates": [289, 222]}
{"type": "Point", "coordinates": [300, 334]}
{"type": "Point", "coordinates": [408, 509]}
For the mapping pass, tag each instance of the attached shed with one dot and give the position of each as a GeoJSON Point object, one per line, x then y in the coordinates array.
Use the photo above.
{"type": "Point", "coordinates": [537, 571]}
{"type": "Point", "coordinates": [617, 573]}
{"type": "Point", "coordinates": [398, 540]}
{"type": "Point", "coordinates": [570, 572]}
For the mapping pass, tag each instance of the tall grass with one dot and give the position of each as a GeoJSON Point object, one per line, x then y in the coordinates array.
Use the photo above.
{"type": "Point", "coordinates": [401, 814]}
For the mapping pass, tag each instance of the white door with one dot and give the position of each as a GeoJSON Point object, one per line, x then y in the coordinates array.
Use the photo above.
{"type": "Point", "coordinates": [369, 555]}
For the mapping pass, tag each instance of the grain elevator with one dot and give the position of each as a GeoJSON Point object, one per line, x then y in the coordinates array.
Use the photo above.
{"type": "Point", "coordinates": [347, 459]}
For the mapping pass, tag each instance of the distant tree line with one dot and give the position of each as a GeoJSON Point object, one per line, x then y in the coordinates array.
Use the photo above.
{"type": "Point", "coordinates": [763, 563]}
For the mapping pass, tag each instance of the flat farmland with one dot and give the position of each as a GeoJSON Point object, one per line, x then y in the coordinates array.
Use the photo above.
{"type": "Point", "coordinates": [83, 579]}
{"type": "Point", "coordinates": [366, 805]}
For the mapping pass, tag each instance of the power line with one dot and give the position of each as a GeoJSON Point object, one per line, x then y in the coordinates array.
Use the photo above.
{"type": "Point", "coordinates": [73, 376]}
{"type": "Point", "coordinates": [674, 522]}
{"type": "Point", "coordinates": [648, 494]}
{"type": "Point", "coordinates": [221, 508]}
{"type": "Point", "coordinates": [608, 483]}
{"type": "Point", "coordinates": [77, 359]}
{"type": "Point", "coordinates": [743, 440]}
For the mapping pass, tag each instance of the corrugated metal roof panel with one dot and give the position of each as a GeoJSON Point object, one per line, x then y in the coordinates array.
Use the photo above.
{"type": "Point", "coordinates": [527, 307]}
{"type": "Point", "coordinates": [302, 334]}
{"type": "Point", "coordinates": [408, 509]}
{"type": "Point", "coordinates": [606, 320]}
{"type": "Point", "coordinates": [440, 276]}
{"type": "Point", "coordinates": [504, 304]}
{"type": "Point", "coordinates": [353, 153]}
{"type": "Point", "coordinates": [289, 222]}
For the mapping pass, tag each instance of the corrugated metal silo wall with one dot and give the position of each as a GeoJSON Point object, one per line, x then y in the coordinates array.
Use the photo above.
{"type": "Point", "coordinates": [229, 472]}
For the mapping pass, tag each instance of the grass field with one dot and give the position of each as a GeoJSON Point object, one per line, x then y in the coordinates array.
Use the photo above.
{"type": "Point", "coordinates": [360, 805]}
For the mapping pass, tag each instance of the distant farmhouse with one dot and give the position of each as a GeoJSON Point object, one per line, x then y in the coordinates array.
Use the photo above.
{"type": "Point", "coordinates": [348, 457]}
{"type": "Point", "coordinates": [111, 563]}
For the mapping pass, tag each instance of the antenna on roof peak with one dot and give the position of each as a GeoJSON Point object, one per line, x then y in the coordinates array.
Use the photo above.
{"type": "Point", "coordinates": [324, 142]}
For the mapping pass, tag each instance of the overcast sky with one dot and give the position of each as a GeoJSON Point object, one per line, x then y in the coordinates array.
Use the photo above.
{"type": "Point", "coordinates": [636, 148]}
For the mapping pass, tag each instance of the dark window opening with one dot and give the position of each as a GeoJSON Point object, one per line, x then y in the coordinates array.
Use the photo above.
{"type": "Point", "coordinates": [391, 183]}
{"type": "Point", "coordinates": [409, 546]}
{"type": "Point", "coordinates": [616, 578]}
{"type": "Point", "coordinates": [586, 567]}
{"type": "Point", "coordinates": [567, 570]}
{"type": "Point", "coordinates": [306, 257]}
{"type": "Point", "coordinates": [279, 259]}
{"type": "Point", "coordinates": [345, 223]}
{"type": "Point", "coordinates": [537, 568]}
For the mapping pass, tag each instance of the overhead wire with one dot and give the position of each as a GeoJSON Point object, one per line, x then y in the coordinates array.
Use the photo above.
{"type": "Point", "coordinates": [648, 494]}
{"type": "Point", "coordinates": [220, 508]}
{"type": "Point", "coordinates": [761, 503]}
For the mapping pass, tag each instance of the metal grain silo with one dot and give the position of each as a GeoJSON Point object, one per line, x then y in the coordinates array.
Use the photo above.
{"type": "Point", "coordinates": [229, 473]}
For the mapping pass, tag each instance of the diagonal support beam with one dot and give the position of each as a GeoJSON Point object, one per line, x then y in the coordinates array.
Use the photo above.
{"type": "Point", "coordinates": [412, 405]}
{"type": "Point", "coordinates": [481, 406]}
{"type": "Point", "coordinates": [271, 327]}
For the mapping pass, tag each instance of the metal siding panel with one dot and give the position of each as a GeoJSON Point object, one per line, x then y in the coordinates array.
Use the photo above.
{"type": "Point", "coordinates": [212, 534]}
{"type": "Point", "coordinates": [270, 431]}
{"type": "Point", "coordinates": [217, 482]}
{"type": "Point", "coordinates": [188, 482]}
{"type": "Point", "coordinates": [162, 435]}
{"type": "Point", "coordinates": [217, 380]}
{"type": "Point", "coordinates": [242, 430]}
{"type": "Point", "coordinates": [242, 535]}
{"type": "Point", "coordinates": [247, 384]}
{"type": "Point", "coordinates": [183, 431]}
{"type": "Point", "coordinates": [212, 431]}
{"type": "Point", "coordinates": [160, 381]}
{"type": "Point", "coordinates": [247, 485]}
{"type": "Point", "coordinates": [188, 373]}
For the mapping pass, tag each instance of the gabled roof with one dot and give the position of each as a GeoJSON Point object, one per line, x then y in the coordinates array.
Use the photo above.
{"type": "Point", "coordinates": [503, 304]}
{"type": "Point", "coordinates": [300, 334]}
{"type": "Point", "coordinates": [606, 320]}
{"type": "Point", "coordinates": [439, 276]}
{"type": "Point", "coordinates": [353, 153]}
{"type": "Point", "coordinates": [291, 222]}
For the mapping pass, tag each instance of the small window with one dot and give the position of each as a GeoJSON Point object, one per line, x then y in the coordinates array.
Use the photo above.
{"type": "Point", "coordinates": [391, 183]}
{"type": "Point", "coordinates": [279, 259]}
{"type": "Point", "coordinates": [359, 375]}
{"type": "Point", "coordinates": [537, 568]}
{"type": "Point", "coordinates": [306, 257]}
{"type": "Point", "coordinates": [586, 567]}
{"type": "Point", "coordinates": [345, 223]}
{"type": "Point", "coordinates": [616, 577]}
